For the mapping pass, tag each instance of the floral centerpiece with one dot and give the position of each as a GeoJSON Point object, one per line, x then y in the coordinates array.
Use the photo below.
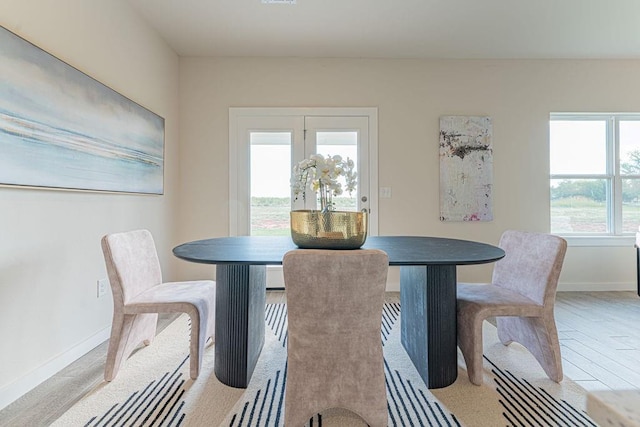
{"type": "Point", "coordinates": [322, 175]}
{"type": "Point", "coordinates": [326, 228]}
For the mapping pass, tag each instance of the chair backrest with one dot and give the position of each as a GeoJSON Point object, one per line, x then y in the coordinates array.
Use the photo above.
{"type": "Point", "coordinates": [338, 294]}
{"type": "Point", "coordinates": [132, 263]}
{"type": "Point", "coordinates": [334, 301]}
{"type": "Point", "coordinates": [531, 265]}
{"type": "Point", "coordinates": [334, 347]}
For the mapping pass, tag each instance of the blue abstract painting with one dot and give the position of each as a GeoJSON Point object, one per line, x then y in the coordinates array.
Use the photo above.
{"type": "Point", "coordinates": [60, 128]}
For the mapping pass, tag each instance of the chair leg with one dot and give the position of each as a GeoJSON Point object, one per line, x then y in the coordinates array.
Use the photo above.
{"type": "Point", "coordinates": [127, 332]}
{"type": "Point", "coordinates": [293, 416]}
{"type": "Point", "coordinates": [202, 327]}
{"type": "Point", "coordinates": [470, 343]}
{"type": "Point", "coordinates": [211, 326]}
{"type": "Point", "coordinates": [198, 339]}
{"type": "Point", "coordinates": [539, 335]}
{"type": "Point", "coordinates": [374, 411]}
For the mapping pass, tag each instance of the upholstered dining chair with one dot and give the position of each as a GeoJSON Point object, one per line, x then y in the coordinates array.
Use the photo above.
{"type": "Point", "coordinates": [139, 295]}
{"type": "Point", "coordinates": [521, 296]}
{"type": "Point", "coordinates": [334, 349]}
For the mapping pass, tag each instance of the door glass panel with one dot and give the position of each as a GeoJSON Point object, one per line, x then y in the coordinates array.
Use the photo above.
{"type": "Point", "coordinates": [345, 144]}
{"type": "Point", "coordinates": [270, 189]}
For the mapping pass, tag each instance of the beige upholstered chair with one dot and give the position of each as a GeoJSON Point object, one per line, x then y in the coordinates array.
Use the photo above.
{"type": "Point", "coordinates": [521, 296]}
{"type": "Point", "coordinates": [334, 350]}
{"type": "Point", "coordinates": [139, 295]}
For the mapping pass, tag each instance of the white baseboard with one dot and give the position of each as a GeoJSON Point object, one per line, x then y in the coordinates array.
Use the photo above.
{"type": "Point", "coordinates": [393, 285]}
{"type": "Point", "coordinates": [10, 393]}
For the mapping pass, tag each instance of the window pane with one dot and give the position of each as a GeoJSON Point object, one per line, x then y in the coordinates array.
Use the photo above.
{"type": "Point", "coordinates": [629, 147]}
{"type": "Point", "coordinates": [270, 183]}
{"type": "Point", "coordinates": [578, 206]}
{"type": "Point", "coordinates": [344, 144]}
{"type": "Point", "coordinates": [578, 146]}
{"type": "Point", "coordinates": [630, 205]}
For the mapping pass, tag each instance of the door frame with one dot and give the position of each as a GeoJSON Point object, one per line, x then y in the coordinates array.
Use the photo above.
{"type": "Point", "coordinates": [235, 118]}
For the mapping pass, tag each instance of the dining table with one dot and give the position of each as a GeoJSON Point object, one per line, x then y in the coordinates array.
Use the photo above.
{"type": "Point", "coordinates": [428, 278]}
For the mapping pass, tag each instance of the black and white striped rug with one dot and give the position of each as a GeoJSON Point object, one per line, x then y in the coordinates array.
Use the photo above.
{"type": "Point", "coordinates": [154, 388]}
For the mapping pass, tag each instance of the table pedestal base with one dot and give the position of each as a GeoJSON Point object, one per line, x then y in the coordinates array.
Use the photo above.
{"type": "Point", "coordinates": [428, 321]}
{"type": "Point", "coordinates": [240, 308]}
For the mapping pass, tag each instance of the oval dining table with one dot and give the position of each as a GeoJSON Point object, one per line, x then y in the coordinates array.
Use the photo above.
{"type": "Point", "coordinates": [427, 297]}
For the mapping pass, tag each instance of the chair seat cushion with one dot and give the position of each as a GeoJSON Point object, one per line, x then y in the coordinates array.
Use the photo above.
{"type": "Point", "coordinates": [174, 297]}
{"type": "Point", "coordinates": [490, 300]}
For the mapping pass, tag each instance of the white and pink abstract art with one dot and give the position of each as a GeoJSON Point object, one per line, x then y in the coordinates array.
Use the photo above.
{"type": "Point", "coordinates": [466, 168]}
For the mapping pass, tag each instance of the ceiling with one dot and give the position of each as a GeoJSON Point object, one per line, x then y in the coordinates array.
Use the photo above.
{"type": "Point", "coordinates": [399, 28]}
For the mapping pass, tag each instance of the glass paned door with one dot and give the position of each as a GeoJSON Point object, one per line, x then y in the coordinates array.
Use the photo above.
{"type": "Point", "coordinates": [265, 152]}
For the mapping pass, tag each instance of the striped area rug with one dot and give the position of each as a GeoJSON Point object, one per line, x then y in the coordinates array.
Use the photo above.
{"type": "Point", "coordinates": [154, 388]}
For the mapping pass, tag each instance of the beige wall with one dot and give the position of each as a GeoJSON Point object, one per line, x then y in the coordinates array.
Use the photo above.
{"type": "Point", "coordinates": [50, 257]}
{"type": "Point", "coordinates": [410, 96]}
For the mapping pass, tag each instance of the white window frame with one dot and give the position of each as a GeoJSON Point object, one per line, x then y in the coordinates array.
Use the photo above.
{"type": "Point", "coordinates": [615, 236]}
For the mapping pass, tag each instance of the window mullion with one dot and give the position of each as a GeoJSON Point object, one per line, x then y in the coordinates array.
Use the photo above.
{"type": "Point", "coordinates": [613, 154]}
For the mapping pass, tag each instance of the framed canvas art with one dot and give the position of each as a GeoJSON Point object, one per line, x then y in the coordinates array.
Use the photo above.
{"type": "Point", "coordinates": [60, 128]}
{"type": "Point", "coordinates": [466, 168]}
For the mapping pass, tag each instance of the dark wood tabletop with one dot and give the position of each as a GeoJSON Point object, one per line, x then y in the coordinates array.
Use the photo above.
{"type": "Point", "coordinates": [402, 250]}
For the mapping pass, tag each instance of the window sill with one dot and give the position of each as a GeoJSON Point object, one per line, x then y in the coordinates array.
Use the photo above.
{"type": "Point", "coordinates": [599, 241]}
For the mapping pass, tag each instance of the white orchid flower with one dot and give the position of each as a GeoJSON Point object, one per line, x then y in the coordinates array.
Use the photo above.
{"type": "Point", "coordinates": [321, 175]}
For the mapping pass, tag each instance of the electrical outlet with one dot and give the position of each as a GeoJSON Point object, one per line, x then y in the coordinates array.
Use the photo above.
{"type": "Point", "coordinates": [103, 284]}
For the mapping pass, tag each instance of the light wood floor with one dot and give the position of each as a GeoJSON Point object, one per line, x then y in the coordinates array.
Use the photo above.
{"type": "Point", "coordinates": [600, 338]}
{"type": "Point", "coordinates": [599, 334]}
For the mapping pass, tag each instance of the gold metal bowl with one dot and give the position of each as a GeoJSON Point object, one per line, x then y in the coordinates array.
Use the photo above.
{"type": "Point", "coordinates": [328, 230]}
